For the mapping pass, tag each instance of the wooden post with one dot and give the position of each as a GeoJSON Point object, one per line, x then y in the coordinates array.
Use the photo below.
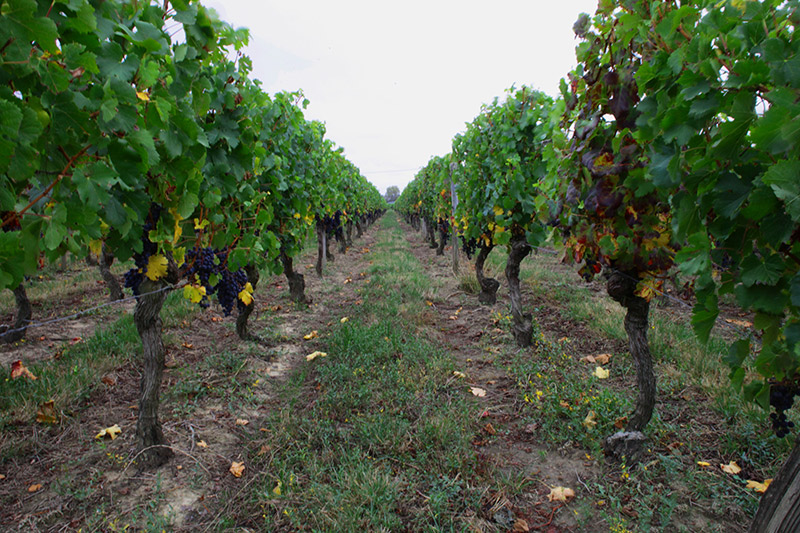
{"type": "Point", "coordinates": [454, 201]}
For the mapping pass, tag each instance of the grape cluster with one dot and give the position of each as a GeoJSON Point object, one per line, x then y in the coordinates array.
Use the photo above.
{"type": "Point", "coordinates": [205, 262]}
{"type": "Point", "coordinates": [469, 246]}
{"type": "Point", "coordinates": [781, 397]}
{"type": "Point", "coordinates": [135, 276]}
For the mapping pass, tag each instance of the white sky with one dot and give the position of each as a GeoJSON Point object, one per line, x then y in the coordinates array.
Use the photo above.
{"type": "Point", "coordinates": [395, 81]}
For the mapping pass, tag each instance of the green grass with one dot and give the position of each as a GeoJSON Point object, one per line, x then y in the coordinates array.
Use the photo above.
{"type": "Point", "coordinates": [386, 443]}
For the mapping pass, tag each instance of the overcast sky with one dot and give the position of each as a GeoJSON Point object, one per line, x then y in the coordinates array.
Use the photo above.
{"type": "Point", "coordinates": [395, 81]}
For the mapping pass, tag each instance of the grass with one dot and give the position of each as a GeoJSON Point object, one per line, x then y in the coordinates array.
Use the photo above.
{"type": "Point", "coordinates": [385, 444]}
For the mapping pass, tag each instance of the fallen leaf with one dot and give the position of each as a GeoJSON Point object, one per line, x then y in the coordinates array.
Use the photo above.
{"type": "Point", "coordinates": [202, 444]}
{"type": "Point", "coordinates": [75, 340]}
{"type": "Point", "coordinates": [429, 303]}
{"type": "Point", "coordinates": [602, 358]}
{"type": "Point", "coordinates": [703, 463]}
{"type": "Point", "coordinates": [743, 323]}
{"type": "Point", "coordinates": [620, 422]}
{"type": "Point", "coordinates": [489, 428]}
{"type": "Point", "coordinates": [314, 355]}
{"type": "Point", "coordinates": [600, 373]}
{"type": "Point", "coordinates": [589, 359]}
{"type": "Point", "coordinates": [589, 422]}
{"type": "Point", "coordinates": [237, 469]}
{"type": "Point", "coordinates": [560, 494]}
{"type": "Point", "coordinates": [216, 319]}
{"type": "Point", "coordinates": [477, 391]}
{"type": "Point", "coordinates": [343, 320]}
{"type": "Point", "coordinates": [35, 488]}
{"type": "Point", "coordinates": [188, 345]}
{"type": "Point", "coordinates": [2, 476]}
{"type": "Point", "coordinates": [520, 526]}
{"type": "Point", "coordinates": [277, 490]}
{"type": "Point", "coordinates": [731, 468]}
{"type": "Point", "coordinates": [311, 335]}
{"type": "Point", "coordinates": [108, 380]}
{"type": "Point", "coordinates": [19, 370]}
{"type": "Point", "coordinates": [563, 339]}
{"type": "Point", "coordinates": [564, 404]}
{"type": "Point", "coordinates": [264, 449]}
{"type": "Point", "coordinates": [458, 374]}
{"type": "Point", "coordinates": [242, 422]}
{"type": "Point", "coordinates": [111, 432]}
{"type": "Point", "coordinates": [47, 413]}
{"type": "Point", "coordinates": [758, 487]}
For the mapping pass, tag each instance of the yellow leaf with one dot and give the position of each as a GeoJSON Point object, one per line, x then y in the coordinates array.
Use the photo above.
{"type": "Point", "coordinates": [156, 267]}
{"type": "Point", "coordinates": [111, 432]}
{"type": "Point", "coordinates": [477, 391]}
{"type": "Point", "coordinates": [35, 488]}
{"type": "Point", "coordinates": [18, 370]}
{"type": "Point", "coordinates": [297, 216]}
{"type": "Point", "coordinates": [96, 246]}
{"type": "Point", "coordinates": [560, 494]}
{"type": "Point", "coordinates": [179, 255]}
{"type": "Point", "coordinates": [600, 373]}
{"type": "Point", "coordinates": [200, 224]}
{"type": "Point", "coordinates": [242, 422]}
{"type": "Point", "coordinates": [311, 335]}
{"type": "Point", "coordinates": [202, 444]}
{"type": "Point", "coordinates": [344, 319]}
{"type": "Point", "coordinates": [143, 96]}
{"type": "Point", "coordinates": [246, 294]}
{"type": "Point", "coordinates": [498, 211]}
{"type": "Point", "coordinates": [194, 293]}
{"type": "Point", "coordinates": [458, 374]}
{"type": "Point", "coordinates": [703, 463]}
{"type": "Point", "coordinates": [277, 490]}
{"type": "Point", "coordinates": [758, 487]}
{"type": "Point", "coordinates": [47, 413]}
{"type": "Point", "coordinates": [237, 469]}
{"type": "Point", "coordinates": [589, 422]}
{"type": "Point", "coordinates": [314, 355]}
{"type": "Point", "coordinates": [429, 303]}
{"type": "Point", "coordinates": [731, 468]}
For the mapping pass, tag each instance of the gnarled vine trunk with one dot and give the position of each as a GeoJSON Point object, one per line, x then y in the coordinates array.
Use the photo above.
{"type": "Point", "coordinates": [341, 239]}
{"type": "Point", "coordinates": [431, 230]}
{"type": "Point", "coordinates": [621, 287]}
{"type": "Point", "coordinates": [489, 286]}
{"type": "Point", "coordinates": [359, 228]}
{"type": "Point", "coordinates": [523, 328]}
{"type": "Point", "coordinates": [322, 247]}
{"type": "Point", "coordinates": [242, 328]}
{"type": "Point", "coordinates": [24, 312]}
{"type": "Point", "coordinates": [442, 238]}
{"type": "Point", "coordinates": [297, 284]}
{"type": "Point", "coordinates": [349, 233]}
{"type": "Point", "coordinates": [779, 510]}
{"type": "Point", "coordinates": [104, 262]}
{"type": "Point", "coordinates": [329, 236]}
{"type": "Point", "coordinates": [150, 440]}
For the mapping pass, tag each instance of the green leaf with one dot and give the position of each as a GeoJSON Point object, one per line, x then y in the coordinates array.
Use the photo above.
{"type": "Point", "coordinates": [765, 298]}
{"type": "Point", "coordinates": [784, 178]}
{"type": "Point", "coordinates": [54, 235]}
{"type": "Point", "coordinates": [794, 290]}
{"type": "Point", "coordinates": [766, 270]}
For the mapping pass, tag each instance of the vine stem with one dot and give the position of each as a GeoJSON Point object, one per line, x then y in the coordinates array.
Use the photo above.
{"type": "Point", "coordinates": [12, 216]}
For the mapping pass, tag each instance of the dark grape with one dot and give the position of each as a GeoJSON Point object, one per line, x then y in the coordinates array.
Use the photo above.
{"type": "Point", "coordinates": [781, 397]}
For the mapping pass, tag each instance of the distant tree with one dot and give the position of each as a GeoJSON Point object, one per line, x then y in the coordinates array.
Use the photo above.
{"type": "Point", "coordinates": [392, 193]}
